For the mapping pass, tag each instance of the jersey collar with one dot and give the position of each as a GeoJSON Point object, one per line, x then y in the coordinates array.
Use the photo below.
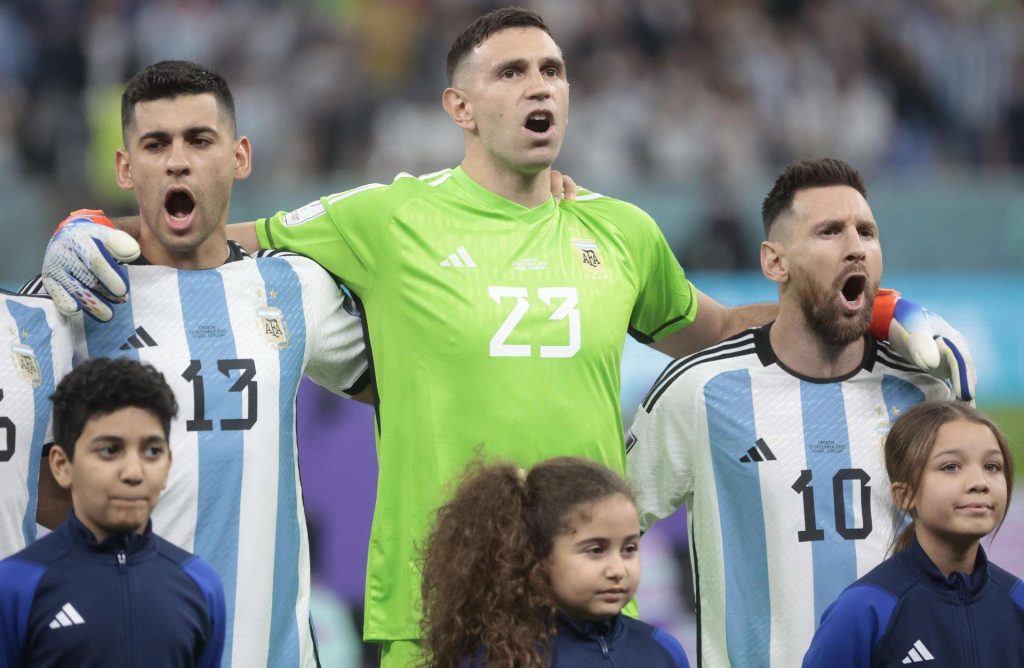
{"type": "Point", "coordinates": [766, 354]}
{"type": "Point", "coordinates": [496, 203]}
{"type": "Point", "coordinates": [235, 253]}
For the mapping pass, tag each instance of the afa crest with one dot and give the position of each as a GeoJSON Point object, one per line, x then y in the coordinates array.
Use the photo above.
{"type": "Point", "coordinates": [26, 363]}
{"type": "Point", "coordinates": [274, 327]}
{"type": "Point", "coordinates": [590, 256]}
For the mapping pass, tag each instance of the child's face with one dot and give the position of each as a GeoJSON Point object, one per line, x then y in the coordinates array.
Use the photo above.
{"type": "Point", "coordinates": [962, 495]}
{"type": "Point", "coordinates": [120, 467]}
{"type": "Point", "coordinates": [595, 570]}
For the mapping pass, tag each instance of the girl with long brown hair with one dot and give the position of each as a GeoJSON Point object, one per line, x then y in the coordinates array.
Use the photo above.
{"type": "Point", "coordinates": [532, 570]}
{"type": "Point", "coordinates": [938, 597]}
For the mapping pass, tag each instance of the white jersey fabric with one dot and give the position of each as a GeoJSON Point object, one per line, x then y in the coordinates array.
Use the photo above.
{"type": "Point", "coordinates": [784, 485]}
{"type": "Point", "coordinates": [35, 352]}
{"type": "Point", "coordinates": [233, 343]}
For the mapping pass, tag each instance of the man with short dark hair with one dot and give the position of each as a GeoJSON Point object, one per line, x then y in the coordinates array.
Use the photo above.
{"type": "Point", "coordinates": [103, 589]}
{"type": "Point", "coordinates": [772, 439]}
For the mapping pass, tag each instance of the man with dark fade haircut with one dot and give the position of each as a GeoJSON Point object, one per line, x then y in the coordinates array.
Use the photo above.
{"type": "Point", "coordinates": [103, 589]}
{"type": "Point", "coordinates": [771, 439]}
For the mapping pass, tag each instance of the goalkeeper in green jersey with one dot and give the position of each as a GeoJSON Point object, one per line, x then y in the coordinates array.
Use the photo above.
{"type": "Point", "coordinates": [495, 315]}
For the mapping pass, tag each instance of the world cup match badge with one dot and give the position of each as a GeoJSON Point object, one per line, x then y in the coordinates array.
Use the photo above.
{"type": "Point", "coordinates": [590, 256]}
{"type": "Point", "coordinates": [274, 327]}
{"type": "Point", "coordinates": [27, 364]}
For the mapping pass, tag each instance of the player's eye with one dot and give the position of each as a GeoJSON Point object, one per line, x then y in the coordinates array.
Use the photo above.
{"type": "Point", "coordinates": [551, 71]}
{"type": "Point", "coordinates": [201, 141]}
{"type": "Point", "coordinates": [508, 74]}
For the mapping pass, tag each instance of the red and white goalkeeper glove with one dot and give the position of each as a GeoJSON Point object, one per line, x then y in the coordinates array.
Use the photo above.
{"type": "Point", "coordinates": [926, 340]}
{"type": "Point", "coordinates": [81, 267]}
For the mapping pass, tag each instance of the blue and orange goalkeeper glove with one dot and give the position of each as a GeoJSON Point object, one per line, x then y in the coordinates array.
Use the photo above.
{"type": "Point", "coordinates": [81, 269]}
{"type": "Point", "coordinates": [926, 340]}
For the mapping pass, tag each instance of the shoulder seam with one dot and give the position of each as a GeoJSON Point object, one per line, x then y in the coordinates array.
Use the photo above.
{"type": "Point", "coordinates": [675, 370]}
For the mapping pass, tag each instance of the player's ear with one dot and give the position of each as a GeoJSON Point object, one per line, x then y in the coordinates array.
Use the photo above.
{"type": "Point", "coordinates": [124, 173]}
{"type": "Point", "coordinates": [458, 107]}
{"type": "Point", "coordinates": [60, 466]}
{"type": "Point", "coordinates": [243, 158]}
{"type": "Point", "coordinates": [773, 262]}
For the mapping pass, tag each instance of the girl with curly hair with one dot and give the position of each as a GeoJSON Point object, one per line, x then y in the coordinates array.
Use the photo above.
{"type": "Point", "coordinates": [532, 570]}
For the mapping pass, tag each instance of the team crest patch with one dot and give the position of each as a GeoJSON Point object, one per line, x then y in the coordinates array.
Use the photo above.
{"type": "Point", "coordinates": [273, 326]}
{"type": "Point", "coordinates": [589, 255]}
{"type": "Point", "coordinates": [26, 363]}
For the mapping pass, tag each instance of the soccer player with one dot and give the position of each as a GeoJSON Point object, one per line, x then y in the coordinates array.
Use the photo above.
{"type": "Point", "coordinates": [234, 334]}
{"type": "Point", "coordinates": [495, 315]}
{"type": "Point", "coordinates": [772, 439]}
{"type": "Point", "coordinates": [35, 352]}
{"type": "Point", "coordinates": [103, 589]}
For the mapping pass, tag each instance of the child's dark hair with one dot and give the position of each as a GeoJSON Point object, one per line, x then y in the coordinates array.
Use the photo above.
{"type": "Point", "coordinates": [101, 386]}
{"type": "Point", "coordinates": [169, 79]}
{"type": "Point", "coordinates": [485, 591]}
{"type": "Point", "coordinates": [909, 445]}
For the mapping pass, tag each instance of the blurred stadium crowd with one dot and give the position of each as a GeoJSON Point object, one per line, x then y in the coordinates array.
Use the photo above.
{"type": "Point", "coordinates": [713, 92]}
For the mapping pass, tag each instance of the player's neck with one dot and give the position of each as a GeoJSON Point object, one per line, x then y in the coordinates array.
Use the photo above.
{"type": "Point", "coordinates": [211, 253]}
{"type": "Point", "coordinates": [529, 190]}
{"type": "Point", "coordinates": [802, 349]}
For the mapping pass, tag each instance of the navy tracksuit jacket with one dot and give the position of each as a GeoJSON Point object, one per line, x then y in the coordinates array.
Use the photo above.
{"type": "Point", "coordinates": [621, 642]}
{"type": "Point", "coordinates": [905, 612]}
{"type": "Point", "coordinates": [131, 600]}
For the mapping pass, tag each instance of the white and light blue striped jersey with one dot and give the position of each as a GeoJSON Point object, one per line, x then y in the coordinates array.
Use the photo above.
{"type": "Point", "coordinates": [35, 352]}
{"type": "Point", "coordinates": [233, 343]}
{"type": "Point", "coordinates": [783, 479]}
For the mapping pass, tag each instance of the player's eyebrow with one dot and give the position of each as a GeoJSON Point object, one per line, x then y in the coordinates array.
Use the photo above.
{"type": "Point", "coordinates": [163, 135]}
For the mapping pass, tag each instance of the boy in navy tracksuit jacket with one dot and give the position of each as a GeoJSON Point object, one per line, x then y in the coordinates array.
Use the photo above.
{"type": "Point", "coordinates": [620, 642]}
{"type": "Point", "coordinates": [103, 590]}
{"type": "Point", "coordinates": [906, 611]}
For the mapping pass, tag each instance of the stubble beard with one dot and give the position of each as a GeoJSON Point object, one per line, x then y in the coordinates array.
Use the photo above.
{"type": "Point", "coordinates": [825, 317]}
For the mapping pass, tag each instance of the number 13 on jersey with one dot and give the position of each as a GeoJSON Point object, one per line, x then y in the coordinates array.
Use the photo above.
{"type": "Point", "coordinates": [563, 301]}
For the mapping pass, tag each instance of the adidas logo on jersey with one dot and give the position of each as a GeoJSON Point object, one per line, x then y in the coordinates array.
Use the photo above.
{"type": "Point", "coordinates": [140, 339]}
{"type": "Point", "coordinates": [67, 616]}
{"type": "Point", "coordinates": [759, 453]}
{"type": "Point", "coordinates": [918, 653]}
{"type": "Point", "coordinates": [460, 258]}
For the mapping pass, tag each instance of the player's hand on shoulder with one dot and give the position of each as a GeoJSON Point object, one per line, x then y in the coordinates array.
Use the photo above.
{"type": "Point", "coordinates": [563, 186]}
{"type": "Point", "coordinates": [925, 339]}
{"type": "Point", "coordinates": [81, 267]}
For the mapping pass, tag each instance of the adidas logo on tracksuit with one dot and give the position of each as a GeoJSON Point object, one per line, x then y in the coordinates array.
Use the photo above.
{"type": "Point", "coordinates": [918, 653]}
{"type": "Point", "coordinates": [67, 616]}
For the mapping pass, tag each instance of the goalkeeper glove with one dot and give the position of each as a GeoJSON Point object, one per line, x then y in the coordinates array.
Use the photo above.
{"type": "Point", "coordinates": [80, 268]}
{"type": "Point", "coordinates": [925, 339]}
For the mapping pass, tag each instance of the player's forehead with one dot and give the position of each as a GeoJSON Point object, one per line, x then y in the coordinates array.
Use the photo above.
{"type": "Point", "coordinates": [177, 114]}
{"type": "Point", "coordinates": [839, 202]}
{"type": "Point", "coordinates": [529, 44]}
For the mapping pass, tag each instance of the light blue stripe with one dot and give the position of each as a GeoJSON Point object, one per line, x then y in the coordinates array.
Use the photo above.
{"type": "Point", "coordinates": [730, 411]}
{"type": "Point", "coordinates": [40, 338]}
{"type": "Point", "coordinates": [104, 339]}
{"type": "Point", "coordinates": [827, 450]}
{"type": "Point", "coordinates": [899, 395]}
{"type": "Point", "coordinates": [284, 291]}
{"type": "Point", "coordinates": [221, 454]}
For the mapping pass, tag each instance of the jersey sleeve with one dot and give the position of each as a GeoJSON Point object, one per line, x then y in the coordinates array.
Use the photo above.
{"type": "Point", "coordinates": [659, 454]}
{"type": "Point", "coordinates": [18, 582]}
{"type": "Point", "coordinates": [342, 232]}
{"type": "Point", "coordinates": [337, 354]}
{"type": "Point", "coordinates": [667, 301]}
{"type": "Point", "coordinates": [213, 591]}
{"type": "Point", "coordinates": [851, 628]}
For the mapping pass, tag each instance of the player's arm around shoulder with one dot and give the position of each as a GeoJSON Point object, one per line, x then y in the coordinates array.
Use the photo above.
{"type": "Point", "coordinates": [851, 628]}
{"type": "Point", "coordinates": [714, 322]}
{"type": "Point", "coordinates": [336, 350]}
{"type": "Point", "coordinates": [661, 445]}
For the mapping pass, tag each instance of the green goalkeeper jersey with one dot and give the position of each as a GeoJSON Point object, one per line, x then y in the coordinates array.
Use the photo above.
{"type": "Point", "coordinates": [493, 328]}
